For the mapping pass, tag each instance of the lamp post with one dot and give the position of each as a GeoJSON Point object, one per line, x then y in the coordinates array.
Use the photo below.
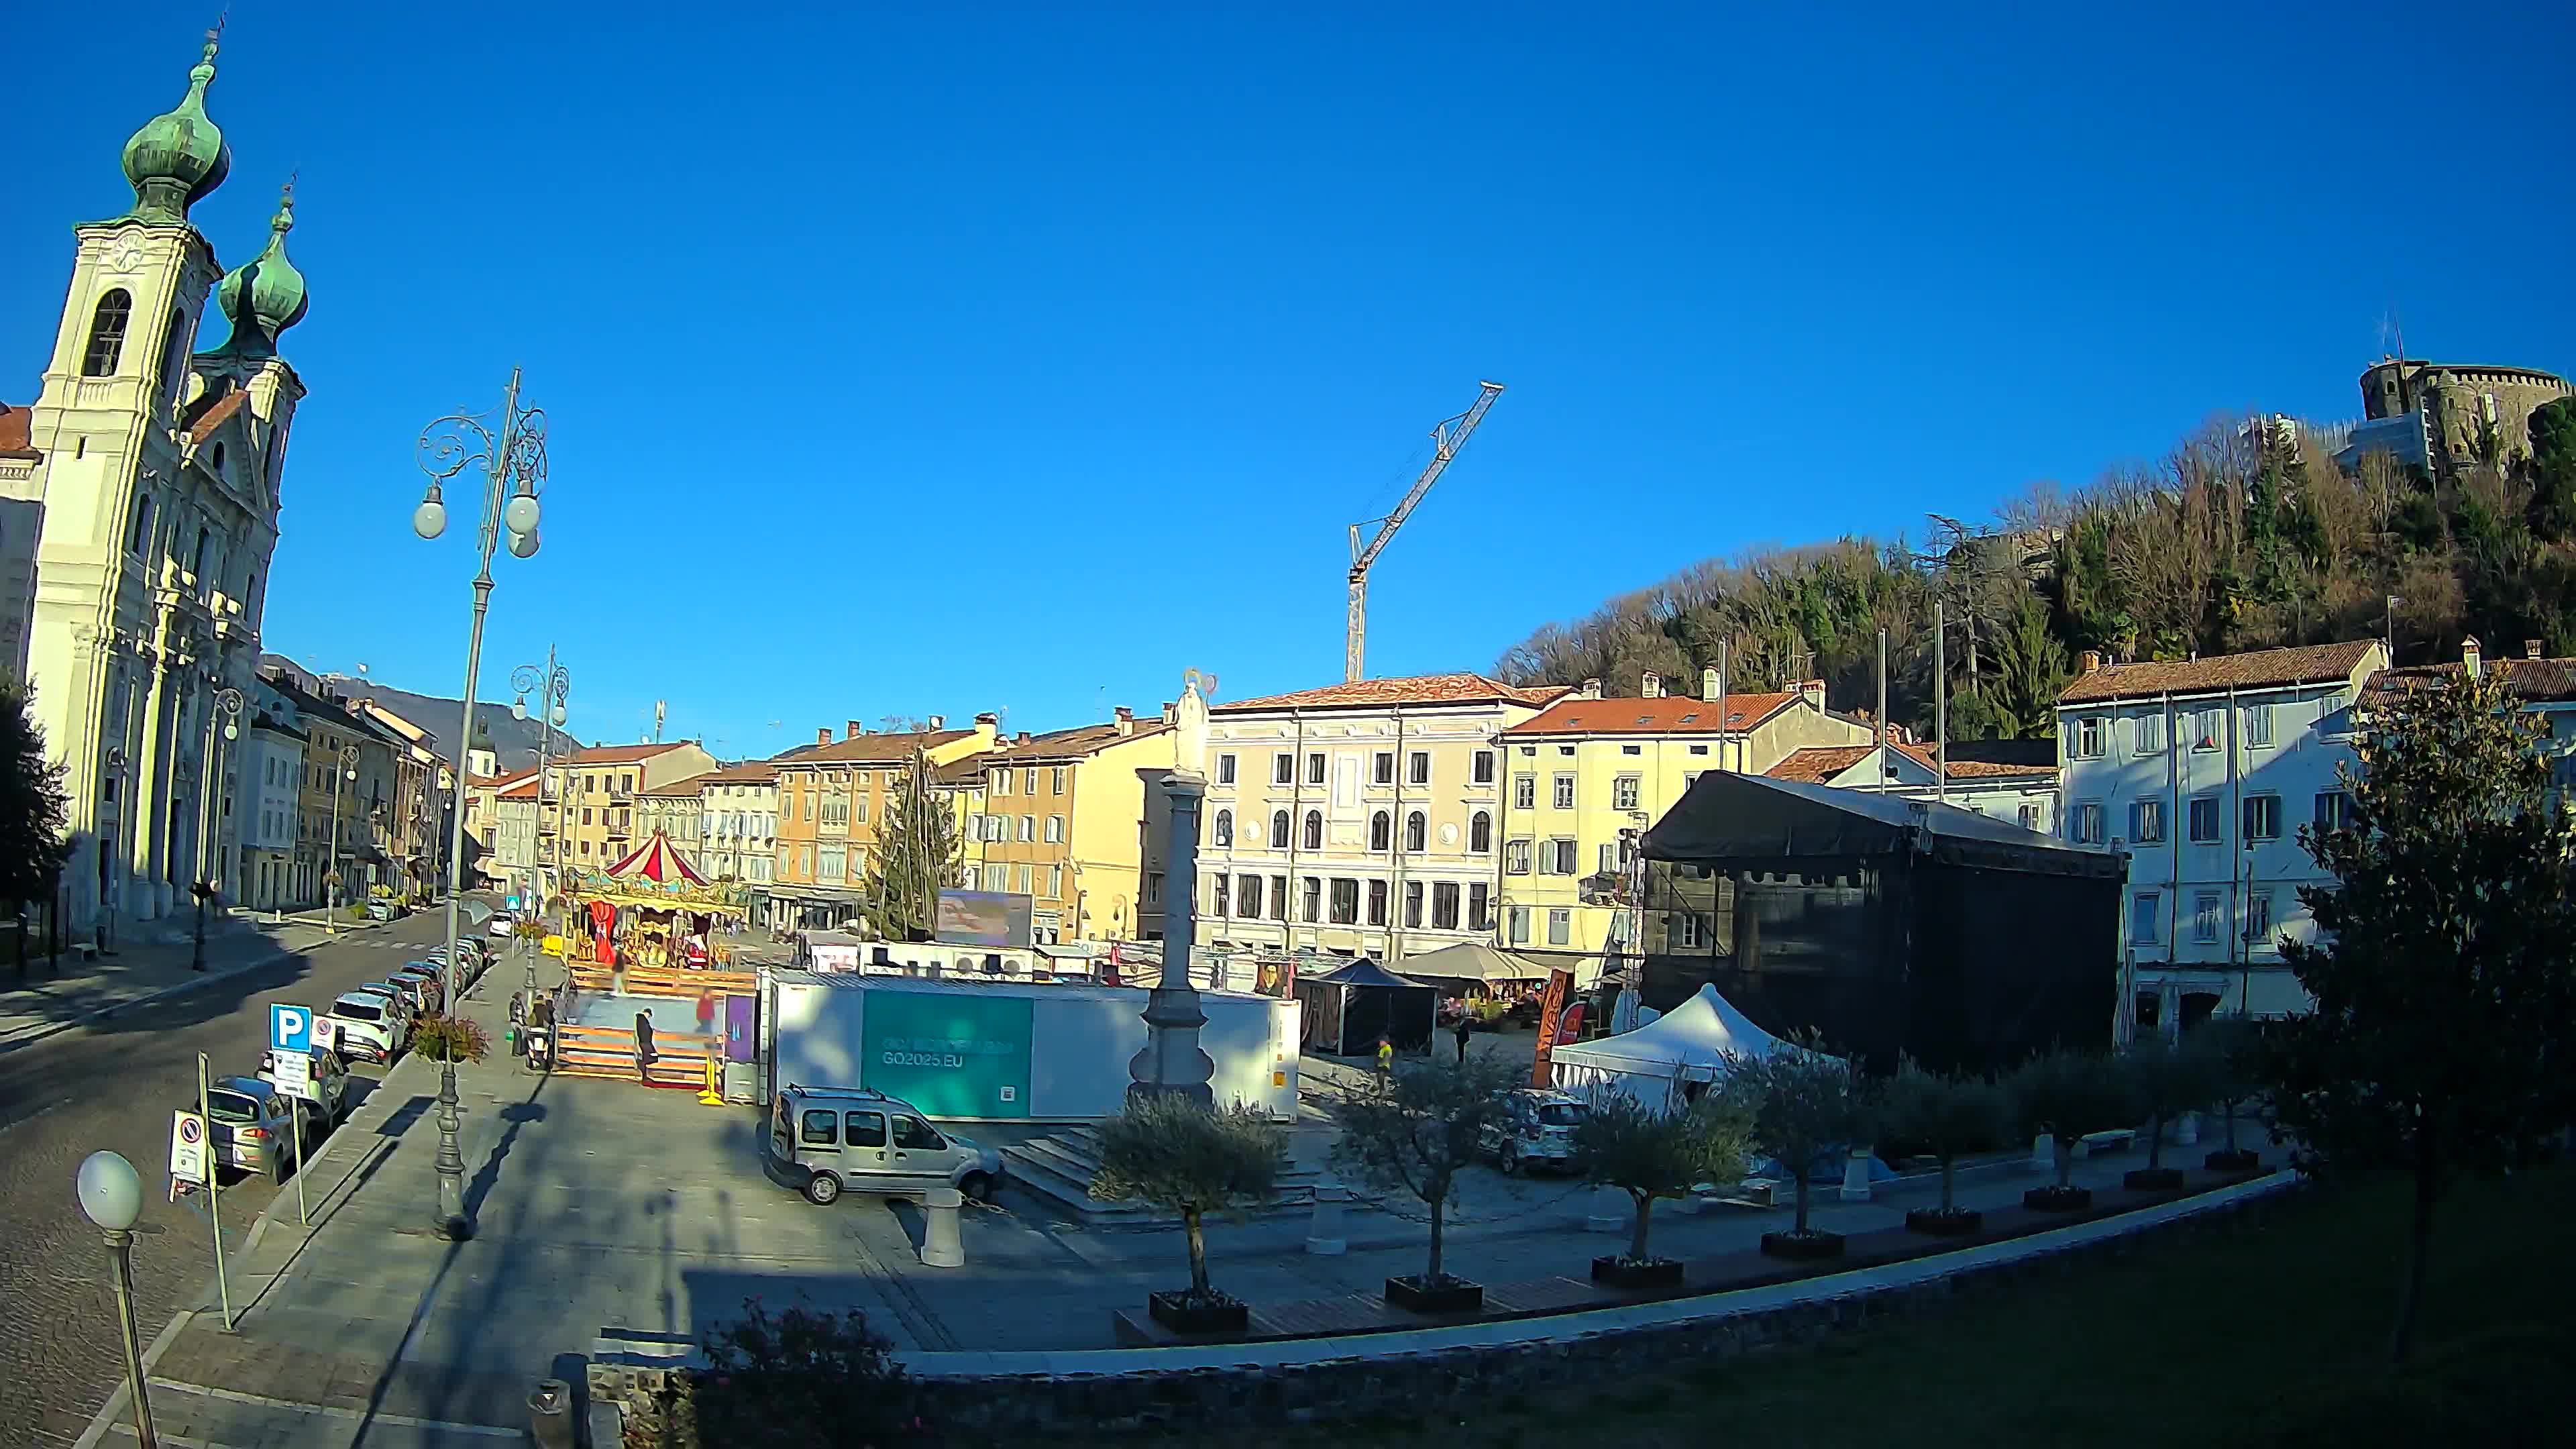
{"type": "Point", "coordinates": [225, 710]}
{"type": "Point", "coordinates": [348, 772]}
{"type": "Point", "coordinates": [552, 686]}
{"type": "Point", "coordinates": [510, 463]}
{"type": "Point", "coordinates": [111, 1196]}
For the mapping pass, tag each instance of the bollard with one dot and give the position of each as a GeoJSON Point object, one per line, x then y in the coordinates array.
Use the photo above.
{"type": "Point", "coordinates": [1609, 1212]}
{"type": "Point", "coordinates": [2043, 1153]}
{"type": "Point", "coordinates": [713, 1096]}
{"type": "Point", "coordinates": [940, 1245]}
{"type": "Point", "coordinates": [1856, 1175]}
{"type": "Point", "coordinates": [2187, 1130]}
{"type": "Point", "coordinates": [1324, 1230]}
{"type": "Point", "coordinates": [550, 1415]}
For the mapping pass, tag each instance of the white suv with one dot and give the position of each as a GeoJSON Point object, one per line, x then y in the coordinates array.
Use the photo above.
{"type": "Point", "coordinates": [368, 1027]}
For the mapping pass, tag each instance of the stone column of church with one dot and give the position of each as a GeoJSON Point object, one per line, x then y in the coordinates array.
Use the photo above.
{"type": "Point", "coordinates": [152, 771]}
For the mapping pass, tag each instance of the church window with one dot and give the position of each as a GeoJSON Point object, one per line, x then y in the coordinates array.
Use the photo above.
{"type": "Point", "coordinates": [204, 539]}
{"type": "Point", "coordinates": [174, 351]}
{"type": "Point", "coordinates": [107, 334]}
{"type": "Point", "coordinates": [142, 535]}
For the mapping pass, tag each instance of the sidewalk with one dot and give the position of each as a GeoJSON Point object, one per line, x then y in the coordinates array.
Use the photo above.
{"type": "Point", "coordinates": [147, 969]}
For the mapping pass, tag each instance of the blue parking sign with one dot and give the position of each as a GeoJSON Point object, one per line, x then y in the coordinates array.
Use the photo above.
{"type": "Point", "coordinates": [290, 1028]}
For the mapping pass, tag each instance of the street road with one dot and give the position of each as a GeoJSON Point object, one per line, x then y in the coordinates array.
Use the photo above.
{"type": "Point", "coordinates": [114, 1085]}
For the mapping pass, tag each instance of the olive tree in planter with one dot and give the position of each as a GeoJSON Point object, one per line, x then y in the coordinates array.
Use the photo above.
{"type": "Point", "coordinates": [1413, 1129]}
{"type": "Point", "coordinates": [1185, 1159]}
{"type": "Point", "coordinates": [2169, 1079]}
{"type": "Point", "coordinates": [2227, 1047]}
{"type": "Point", "coordinates": [1806, 1104]}
{"type": "Point", "coordinates": [2067, 1094]}
{"type": "Point", "coordinates": [1649, 1154]}
{"type": "Point", "coordinates": [1947, 1117]}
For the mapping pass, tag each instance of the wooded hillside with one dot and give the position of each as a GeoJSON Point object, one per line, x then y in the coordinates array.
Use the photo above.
{"type": "Point", "coordinates": [2237, 539]}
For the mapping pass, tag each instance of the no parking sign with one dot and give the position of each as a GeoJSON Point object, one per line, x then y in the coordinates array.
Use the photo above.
{"type": "Point", "coordinates": [188, 1148]}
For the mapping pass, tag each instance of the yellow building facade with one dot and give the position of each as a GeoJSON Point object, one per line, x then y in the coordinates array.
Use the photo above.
{"type": "Point", "coordinates": [1583, 773]}
{"type": "Point", "coordinates": [1062, 821]}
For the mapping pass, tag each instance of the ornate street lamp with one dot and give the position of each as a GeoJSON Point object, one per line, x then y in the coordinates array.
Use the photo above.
{"type": "Point", "coordinates": [552, 686]}
{"type": "Point", "coordinates": [111, 1196]}
{"type": "Point", "coordinates": [509, 459]}
{"type": "Point", "coordinates": [226, 711]}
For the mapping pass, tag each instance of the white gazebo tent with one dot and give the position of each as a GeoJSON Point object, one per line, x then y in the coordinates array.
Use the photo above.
{"type": "Point", "coordinates": [1667, 1061]}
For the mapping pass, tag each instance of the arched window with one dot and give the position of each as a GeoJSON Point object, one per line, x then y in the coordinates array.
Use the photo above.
{"type": "Point", "coordinates": [1417, 829]}
{"type": "Point", "coordinates": [1381, 830]}
{"type": "Point", "coordinates": [204, 539]}
{"type": "Point", "coordinates": [1278, 830]}
{"type": "Point", "coordinates": [1314, 830]}
{"type": "Point", "coordinates": [141, 538]}
{"type": "Point", "coordinates": [1480, 833]}
{"type": "Point", "coordinates": [107, 334]}
{"type": "Point", "coordinates": [218, 460]}
{"type": "Point", "coordinates": [1225, 827]}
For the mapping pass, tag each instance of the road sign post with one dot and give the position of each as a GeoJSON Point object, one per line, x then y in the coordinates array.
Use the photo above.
{"type": "Point", "coordinates": [214, 1194]}
{"type": "Point", "coordinates": [293, 1074]}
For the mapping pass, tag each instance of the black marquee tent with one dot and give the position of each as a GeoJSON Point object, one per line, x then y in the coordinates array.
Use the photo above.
{"type": "Point", "coordinates": [1888, 924]}
{"type": "Point", "coordinates": [1342, 1013]}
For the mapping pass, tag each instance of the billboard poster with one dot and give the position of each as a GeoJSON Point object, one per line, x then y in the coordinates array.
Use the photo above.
{"type": "Point", "coordinates": [982, 918]}
{"type": "Point", "coordinates": [1551, 1011]}
{"type": "Point", "coordinates": [951, 1054]}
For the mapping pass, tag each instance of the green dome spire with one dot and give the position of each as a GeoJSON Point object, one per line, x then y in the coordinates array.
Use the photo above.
{"type": "Point", "coordinates": [265, 295]}
{"type": "Point", "coordinates": [178, 157]}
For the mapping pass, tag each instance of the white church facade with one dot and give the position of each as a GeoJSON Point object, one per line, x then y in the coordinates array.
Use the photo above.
{"type": "Point", "coordinates": [138, 517]}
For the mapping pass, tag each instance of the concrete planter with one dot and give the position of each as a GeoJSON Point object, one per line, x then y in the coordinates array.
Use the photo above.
{"type": "Point", "coordinates": [1957, 1222]}
{"type": "Point", "coordinates": [1805, 1247]}
{"type": "Point", "coordinates": [2057, 1199]}
{"type": "Point", "coordinates": [2238, 1161]}
{"type": "Point", "coordinates": [1452, 1295]}
{"type": "Point", "coordinates": [1653, 1273]}
{"type": "Point", "coordinates": [2152, 1179]}
{"type": "Point", "coordinates": [1178, 1313]}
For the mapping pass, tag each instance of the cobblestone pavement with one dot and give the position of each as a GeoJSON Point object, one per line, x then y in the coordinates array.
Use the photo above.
{"type": "Point", "coordinates": [113, 1084]}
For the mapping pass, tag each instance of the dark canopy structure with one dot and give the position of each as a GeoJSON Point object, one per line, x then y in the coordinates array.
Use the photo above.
{"type": "Point", "coordinates": [1890, 925]}
{"type": "Point", "coordinates": [1342, 1013]}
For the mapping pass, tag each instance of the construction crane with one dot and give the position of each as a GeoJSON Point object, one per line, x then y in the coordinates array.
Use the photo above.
{"type": "Point", "coordinates": [1446, 440]}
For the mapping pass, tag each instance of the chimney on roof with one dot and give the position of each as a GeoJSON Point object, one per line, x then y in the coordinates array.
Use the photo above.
{"type": "Point", "coordinates": [1590, 689]}
{"type": "Point", "coordinates": [1124, 717]}
{"type": "Point", "coordinates": [2472, 657]}
{"type": "Point", "coordinates": [1171, 711]}
{"type": "Point", "coordinates": [852, 726]}
{"type": "Point", "coordinates": [988, 717]}
{"type": "Point", "coordinates": [823, 736]}
{"type": "Point", "coordinates": [2530, 648]}
{"type": "Point", "coordinates": [939, 721]}
{"type": "Point", "coordinates": [1022, 738]}
{"type": "Point", "coordinates": [1814, 690]}
{"type": "Point", "coordinates": [2092, 661]}
{"type": "Point", "coordinates": [1708, 683]}
{"type": "Point", "coordinates": [1652, 686]}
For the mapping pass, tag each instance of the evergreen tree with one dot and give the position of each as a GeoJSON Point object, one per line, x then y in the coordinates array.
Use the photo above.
{"type": "Point", "coordinates": [32, 806]}
{"type": "Point", "coordinates": [917, 854]}
{"type": "Point", "coordinates": [2552, 468]}
{"type": "Point", "coordinates": [2445, 1020]}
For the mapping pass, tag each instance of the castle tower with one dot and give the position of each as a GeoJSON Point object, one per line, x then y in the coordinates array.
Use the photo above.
{"type": "Point", "coordinates": [156, 498]}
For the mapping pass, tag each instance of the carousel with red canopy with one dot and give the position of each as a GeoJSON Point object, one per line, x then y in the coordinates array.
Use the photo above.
{"type": "Point", "coordinates": [653, 909]}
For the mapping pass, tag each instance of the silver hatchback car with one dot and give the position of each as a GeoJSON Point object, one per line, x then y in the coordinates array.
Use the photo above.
{"type": "Point", "coordinates": [254, 1125]}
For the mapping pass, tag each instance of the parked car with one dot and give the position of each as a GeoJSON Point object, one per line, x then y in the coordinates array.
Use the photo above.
{"type": "Point", "coordinates": [382, 910]}
{"type": "Point", "coordinates": [405, 994]}
{"type": "Point", "coordinates": [255, 1127]}
{"type": "Point", "coordinates": [430, 979]}
{"type": "Point", "coordinates": [1538, 1131]}
{"type": "Point", "coordinates": [825, 1141]}
{"type": "Point", "coordinates": [368, 1027]}
{"type": "Point", "coordinates": [330, 1077]}
{"type": "Point", "coordinates": [503, 923]}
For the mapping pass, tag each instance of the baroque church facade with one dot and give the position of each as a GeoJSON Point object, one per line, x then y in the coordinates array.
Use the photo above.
{"type": "Point", "coordinates": [138, 517]}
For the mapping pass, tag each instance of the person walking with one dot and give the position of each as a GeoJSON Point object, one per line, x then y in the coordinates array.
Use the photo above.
{"type": "Point", "coordinates": [1466, 1025]}
{"type": "Point", "coordinates": [1385, 1055]}
{"type": "Point", "coordinates": [706, 1013]}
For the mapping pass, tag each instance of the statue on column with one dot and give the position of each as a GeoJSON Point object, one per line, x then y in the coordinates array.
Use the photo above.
{"type": "Point", "coordinates": [1172, 1063]}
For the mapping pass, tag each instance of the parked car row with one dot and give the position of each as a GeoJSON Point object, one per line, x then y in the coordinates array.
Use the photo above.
{"type": "Point", "coordinates": [374, 1022]}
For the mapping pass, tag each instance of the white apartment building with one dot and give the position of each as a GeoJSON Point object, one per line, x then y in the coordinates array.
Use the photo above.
{"type": "Point", "coordinates": [738, 808]}
{"type": "Point", "coordinates": [1359, 819]}
{"type": "Point", "coordinates": [2202, 770]}
{"type": "Point", "coordinates": [513, 862]}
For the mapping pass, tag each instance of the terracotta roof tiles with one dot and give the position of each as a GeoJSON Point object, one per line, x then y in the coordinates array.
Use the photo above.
{"type": "Point", "coordinates": [16, 438]}
{"type": "Point", "coordinates": [1463, 688]}
{"type": "Point", "coordinates": [2260, 669]}
{"type": "Point", "coordinates": [203, 425]}
{"type": "Point", "coordinates": [870, 749]}
{"type": "Point", "coordinates": [619, 754]}
{"type": "Point", "coordinates": [1072, 744]}
{"type": "Point", "coordinates": [1817, 764]}
{"type": "Point", "coordinates": [2535, 680]}
{"type": "Point", "coordinates": [1671, 714]}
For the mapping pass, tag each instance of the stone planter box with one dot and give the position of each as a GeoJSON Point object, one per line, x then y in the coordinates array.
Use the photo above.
{"type": "Point", "coordinates": [1455, 1295]}
{"type": "Point", "coordinates": [1654, 1273]}
{"type": "Point", "coordinates": [1176, 1312]}
{"type": "Point", "coordinates": [2057, 1199]}
{"type": "Point", "coordinates": [1814, 1244]}
{"type": "Point", "coordinates": [2151, 1179]}
{"type": "Point", "coordinates": [1956, 1223]}
{"type": "Point", "coordinates": [2240, 1160]}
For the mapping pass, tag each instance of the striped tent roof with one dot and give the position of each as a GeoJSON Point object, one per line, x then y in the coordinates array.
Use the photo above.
{"type": "Point", "coordinates": [659, 861]}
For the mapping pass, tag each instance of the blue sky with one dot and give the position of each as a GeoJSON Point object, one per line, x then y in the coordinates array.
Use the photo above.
{"type": "Point", "coordinates": [1021, 356]}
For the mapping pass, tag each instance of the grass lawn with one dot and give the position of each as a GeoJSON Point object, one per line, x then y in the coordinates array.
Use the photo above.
{"type": "Point", "coordinates": [2269, 1334]}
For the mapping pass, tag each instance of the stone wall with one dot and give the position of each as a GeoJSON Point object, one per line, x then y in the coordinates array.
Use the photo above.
{"type": "Point", "coordinates": [1382, 1375]}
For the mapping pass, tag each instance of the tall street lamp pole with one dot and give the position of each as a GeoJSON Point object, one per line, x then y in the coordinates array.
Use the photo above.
{"type": "Point", "coordinates": [348, 771]}
{"type": "Point", "coordinates": [511, 464]}
{"type": "Point", "coordinates": [111, 1196]}
{"type": "Point", "coordinates": [226, 712]}
{"type": "Point", "coordinates": [553, 688]}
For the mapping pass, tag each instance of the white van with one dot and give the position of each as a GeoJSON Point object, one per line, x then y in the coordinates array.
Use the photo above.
{"type": "Point", "coordinates": [824, 1141]}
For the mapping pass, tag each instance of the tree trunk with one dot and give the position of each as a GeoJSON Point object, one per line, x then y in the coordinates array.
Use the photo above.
{"type": "Point", "coordinates": [2229, 1108]}
{"type": "Point", "coordinates": [2156, 1142]}
{"type": "Point", "coordinates": [1433, 1277]}
{"type": "Point", "coordinates": [1802, 1204]}
{"type": "Point", "coordinates": [2065, 1162]}
{"type": "Point", "coordinates": [1645, 1223]}
{"type": "Point", "coordinates": [1192, 1221]}
{"type": "Point", "coordinates": [1949, 1177]}
{"type": "Point", "coordinates": [2419, 1244]}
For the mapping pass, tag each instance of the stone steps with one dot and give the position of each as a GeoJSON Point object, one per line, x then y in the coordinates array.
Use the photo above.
{"type": "Point", "coordinates": [1060, 1166]}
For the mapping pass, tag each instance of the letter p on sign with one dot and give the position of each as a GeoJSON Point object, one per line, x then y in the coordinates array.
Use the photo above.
{"type": "Point", "coordinates": [290, 1028]}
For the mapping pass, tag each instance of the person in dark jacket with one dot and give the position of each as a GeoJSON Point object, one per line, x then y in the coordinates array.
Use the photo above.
{"type": "Point", "coordinates": [1466, 1025]}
